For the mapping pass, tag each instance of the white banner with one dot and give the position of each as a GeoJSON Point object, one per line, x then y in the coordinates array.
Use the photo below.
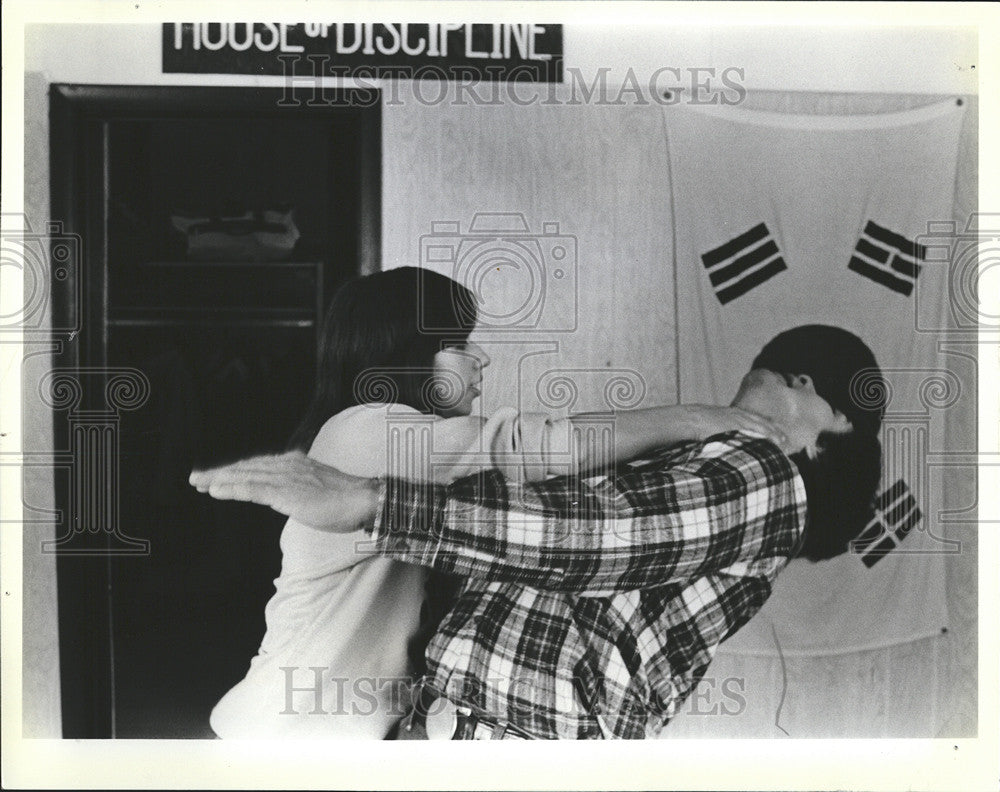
{"type": "Point", "coordinates": [784, 220]}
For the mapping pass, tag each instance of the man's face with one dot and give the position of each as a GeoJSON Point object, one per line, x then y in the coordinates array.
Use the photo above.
{"type": "Point", "coordinates": [791, 401]}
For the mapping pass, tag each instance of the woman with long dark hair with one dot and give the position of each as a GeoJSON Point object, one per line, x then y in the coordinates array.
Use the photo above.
{"type": "Point", "coordinates": [396, 382]}
{"type": "Point", "coordinates": [381, 338]}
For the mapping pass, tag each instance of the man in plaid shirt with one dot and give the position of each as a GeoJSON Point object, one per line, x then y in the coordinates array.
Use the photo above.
{"type": "Point", "coordinates": [593, 607]}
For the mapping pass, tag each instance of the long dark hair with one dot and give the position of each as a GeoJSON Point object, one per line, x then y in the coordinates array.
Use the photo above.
{"type": "Point", "coordinates": [380, 335]}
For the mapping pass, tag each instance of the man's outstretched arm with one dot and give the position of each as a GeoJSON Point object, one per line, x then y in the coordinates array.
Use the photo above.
{"type": "Point", "coordinates": [724, 503]}
{"type": "Point", "coordinates": [737, 500]}
{"type": "Point", "coordinates": [297, 486]}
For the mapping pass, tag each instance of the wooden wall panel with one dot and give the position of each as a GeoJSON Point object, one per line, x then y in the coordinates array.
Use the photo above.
{"type": "Point", "coordinates": [601, 174]}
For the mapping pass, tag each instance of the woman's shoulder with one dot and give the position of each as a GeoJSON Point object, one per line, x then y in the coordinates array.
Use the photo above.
{"type": "Point", "coordinates": [354, 439]}
{"type": "Point", "coordinates": [366, 413]}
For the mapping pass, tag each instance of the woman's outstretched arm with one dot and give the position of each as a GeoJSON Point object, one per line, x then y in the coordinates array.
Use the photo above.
{"type": "Point", "coordinates": [533, 446]}
{"type": "Point", "coordinates": [636, 432]}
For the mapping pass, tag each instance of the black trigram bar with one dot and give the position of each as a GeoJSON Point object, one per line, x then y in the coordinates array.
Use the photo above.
{"type": "Point", "coordinates": [887, 258]}
{"type": "Point", "coordinates": [743, 263]}
{"type": "Point", "coordinates": [890, 543]}
{"type": "Point", "coordinates": [896, 514]}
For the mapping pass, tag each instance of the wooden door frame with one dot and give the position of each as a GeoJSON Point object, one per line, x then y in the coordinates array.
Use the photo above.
{"type": "Point", "coordinates": [77, 116]}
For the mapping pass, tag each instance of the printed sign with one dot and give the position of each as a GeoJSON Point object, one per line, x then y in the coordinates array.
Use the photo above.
{"type": "Point", "coordinates": [449, 51]}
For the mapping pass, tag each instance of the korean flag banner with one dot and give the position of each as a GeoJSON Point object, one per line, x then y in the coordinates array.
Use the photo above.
{"type": "Point", "coordinates": [783, 220]}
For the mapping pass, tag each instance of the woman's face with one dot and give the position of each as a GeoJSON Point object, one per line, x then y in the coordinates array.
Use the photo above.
{"type": "Point", "coordinates": [460, 372]}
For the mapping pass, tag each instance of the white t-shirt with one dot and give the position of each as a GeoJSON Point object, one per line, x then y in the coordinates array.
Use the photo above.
{"type": "Point", "coordinates": [333, 662]}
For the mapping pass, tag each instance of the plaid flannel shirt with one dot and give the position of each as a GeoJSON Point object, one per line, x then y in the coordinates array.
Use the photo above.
{"type": "Point", "coordinates": [594, 606]}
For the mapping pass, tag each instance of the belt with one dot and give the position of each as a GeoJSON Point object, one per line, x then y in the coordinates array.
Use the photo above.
{"type": "Point", "coordinates": [442, 719]}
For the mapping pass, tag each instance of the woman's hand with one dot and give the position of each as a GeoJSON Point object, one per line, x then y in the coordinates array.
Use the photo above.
{"type": "Point", "coordinates": [706, 420]}
{"type": "Point", "coordinates": [294, 484]}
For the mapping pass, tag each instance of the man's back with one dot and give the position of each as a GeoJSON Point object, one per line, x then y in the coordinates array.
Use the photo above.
{"type": "Point", "coordinates": [687, 562]}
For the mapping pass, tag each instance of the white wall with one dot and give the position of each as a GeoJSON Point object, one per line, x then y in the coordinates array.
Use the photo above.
{"type": "Point", "coordinates": [601, 174]}
{"type": "Point", "coordinates": [40, 655]}
{"type": "Point", "coordinates": [598, 171]}
{"type": "Point", "coordinates": [779, 56]}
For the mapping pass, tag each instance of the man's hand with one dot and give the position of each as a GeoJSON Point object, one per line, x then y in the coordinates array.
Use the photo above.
{"type": "Point", "coordinates": [293, 484]}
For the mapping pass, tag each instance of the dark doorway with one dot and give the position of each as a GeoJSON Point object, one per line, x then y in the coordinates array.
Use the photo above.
{"type": "Point", "coordinates": [162, 592]}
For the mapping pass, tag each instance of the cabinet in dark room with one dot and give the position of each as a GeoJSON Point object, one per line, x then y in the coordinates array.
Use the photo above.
{"type": "Point", "coordinates": [214, 225]}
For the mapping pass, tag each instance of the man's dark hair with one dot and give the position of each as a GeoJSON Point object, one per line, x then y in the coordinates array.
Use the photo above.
{"type": "Point", "coordinates": [842, 480]}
